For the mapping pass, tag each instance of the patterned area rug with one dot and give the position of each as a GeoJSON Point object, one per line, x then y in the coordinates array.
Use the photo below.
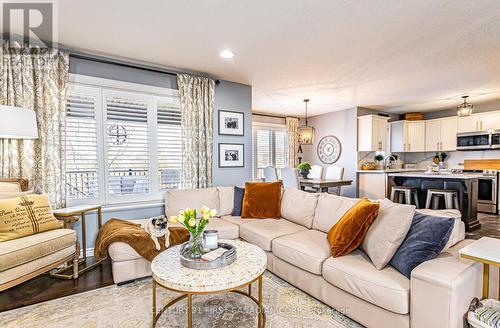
{"type": "Point", "coordinates": [130, 306]}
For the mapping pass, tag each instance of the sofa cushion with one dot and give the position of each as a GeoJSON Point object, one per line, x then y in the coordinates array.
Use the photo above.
{"type": "Point", "coordinates": [262, 232]}
{"type": "Point", "coordinates": [355, 274]}
{"type": "Point", "coordinates": [236, 219]}
{"type": "Point", "coordinates": [330, 209]}
{"type": "Point", "coordinates": [26, 215]}
{"type": "Point", "coordinates": [7, 195]}
{"type": "Point", "coordinates": [348, 234]}
{"type": "Point", "coordinates": [262, 200]}
{"type": "Point", "coordinates": [388, 231]}
{"type": "Point", "coordinates": [298, 206]}
{"type": "Point", "coordinates": [176, 200]}
{"type": "Point", "coordinates": [226, 195]}
{"type": "Point", "coordinates": [306, 250]}
{"type": "Point", "coordinates": [23, 250]}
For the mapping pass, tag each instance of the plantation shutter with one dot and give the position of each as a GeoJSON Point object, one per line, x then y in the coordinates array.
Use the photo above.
{"type": "Point", "coordinates": [169, 142]}
{"type": "Point", "coordinates": [127, 144]}
{"type": "Point", "coordinates": [270, 149]}
{"type": "Point", "coordinates": [82, 176]}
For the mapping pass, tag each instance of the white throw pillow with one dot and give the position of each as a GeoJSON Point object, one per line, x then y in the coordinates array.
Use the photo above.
{"type": "Point", "coordinates": [458, 232]}
{"type": "Point", "coordinates": [298, 206]}
{"type": "Point", "coordinates": [226, 200]}
{"type": "Point", "coordinates": [387, 232]}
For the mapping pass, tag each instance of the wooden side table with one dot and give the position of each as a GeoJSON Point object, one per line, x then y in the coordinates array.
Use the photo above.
{"type": "Point", "coordinates": [82, 210]}
{"type": "Point", "coordinates": [487, 251]}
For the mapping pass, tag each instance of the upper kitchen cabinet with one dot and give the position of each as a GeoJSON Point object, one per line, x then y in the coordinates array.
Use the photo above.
{"type": "Point", "coordinates": [372, 133]}
{"type": "Point", "coordinates": [407, 136]}
{"type": "Point", "coordinates": [441, 134]}
{"type": "Point", "coordinates": [479, 122]}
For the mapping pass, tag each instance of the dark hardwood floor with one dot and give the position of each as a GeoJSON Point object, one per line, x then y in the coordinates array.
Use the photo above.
{"type": "Point", "coordinates": [45, 288]}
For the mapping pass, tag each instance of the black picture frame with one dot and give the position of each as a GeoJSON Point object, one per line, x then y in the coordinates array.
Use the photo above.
{"type": "Point", "coordinates": [241, 149]}
{"type": "Point", "coordinates": [237, 115]}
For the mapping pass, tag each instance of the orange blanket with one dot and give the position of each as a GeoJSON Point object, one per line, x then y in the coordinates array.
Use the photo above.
{"type": "Point", "coordinates": [116, 230]}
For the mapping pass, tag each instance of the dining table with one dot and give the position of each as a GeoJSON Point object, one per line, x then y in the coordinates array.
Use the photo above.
{"type": "Point", "coordinates": [322, 185]}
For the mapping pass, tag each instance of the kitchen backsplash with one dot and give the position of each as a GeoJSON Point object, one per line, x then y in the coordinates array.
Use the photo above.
{"type": "Point", "coordinates": [455, 159]}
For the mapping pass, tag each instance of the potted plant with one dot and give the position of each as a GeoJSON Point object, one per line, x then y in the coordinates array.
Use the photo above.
{"type": "Point", "coordinates": [195, 226]}
{"type": "Point", "coordinates": [379, 158]}
{"type": "Point", "coordinates": [304, 169]}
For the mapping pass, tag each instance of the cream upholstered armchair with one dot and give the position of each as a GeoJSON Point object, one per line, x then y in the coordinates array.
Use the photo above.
{"type": "Point", "coordinates": [27, 257]}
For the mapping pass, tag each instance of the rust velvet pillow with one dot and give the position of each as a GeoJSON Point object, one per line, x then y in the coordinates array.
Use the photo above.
{"type": "Point", "coordinates": [348, 233]}
{"type": "Point", "coordinates": [262, 200]}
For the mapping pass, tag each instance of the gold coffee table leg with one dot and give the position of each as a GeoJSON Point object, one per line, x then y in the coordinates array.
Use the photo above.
{"type": "Point", "coordinates": [190, 310]}
{"type": "Point", "coordinates": [154, 302]}
{"type": "Point", "coordinates": [260, 302]}
{"type": "Point", "coordinates": [486, 280]}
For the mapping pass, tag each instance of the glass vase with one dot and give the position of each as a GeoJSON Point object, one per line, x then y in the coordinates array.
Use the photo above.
{"type": "Point", "coordinates": [195, 250]}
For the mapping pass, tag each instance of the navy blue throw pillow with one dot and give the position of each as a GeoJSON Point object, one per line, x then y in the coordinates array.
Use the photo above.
{"type": "Point", "coordinates": [427, 237]}
{"type": "Point", "coordinates": [238, 201]}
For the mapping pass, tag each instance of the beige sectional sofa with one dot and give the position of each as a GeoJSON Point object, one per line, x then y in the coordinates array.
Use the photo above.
{"type": "Point", "coordinates": [437, 295]}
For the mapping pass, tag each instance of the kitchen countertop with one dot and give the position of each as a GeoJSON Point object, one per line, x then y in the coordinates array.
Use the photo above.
{"type": "Point", "coordinates": [460, 176]}
{"type": "Point", "coordinates": [390, 170]}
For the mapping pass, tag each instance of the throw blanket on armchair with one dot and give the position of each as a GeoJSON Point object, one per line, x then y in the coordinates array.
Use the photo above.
{"type": "Point", "coordinates": [116, 230]}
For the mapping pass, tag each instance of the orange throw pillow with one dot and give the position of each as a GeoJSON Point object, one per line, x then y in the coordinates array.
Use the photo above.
{"type": "Point", "coordinates": [348, 233]}
{"type": "Point", "coordinates": [262, 200]}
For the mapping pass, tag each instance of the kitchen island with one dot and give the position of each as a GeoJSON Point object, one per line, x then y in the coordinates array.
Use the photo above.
{"type": "Point", "coordinates": [374, 184]}
{"type": "Point", "coordinates": [465, 185]}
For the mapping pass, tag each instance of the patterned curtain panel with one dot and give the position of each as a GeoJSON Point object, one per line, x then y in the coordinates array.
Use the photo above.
{"type": "Point", "coordinates": [292, 126]}
{"type": "Point", "coordinates": [36, 79]}
{"type": "Point", "coordinates": [197, 107]}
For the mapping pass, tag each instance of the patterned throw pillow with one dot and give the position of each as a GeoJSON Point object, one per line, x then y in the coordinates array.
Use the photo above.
{"type": "Point", "coordinates": [26, 215]}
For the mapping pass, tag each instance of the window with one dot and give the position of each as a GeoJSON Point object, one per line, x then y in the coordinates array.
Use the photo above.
{"type": "Point", "coordinates": [270, 145]}
{"type": "Point", "coordinates": [123, 141]}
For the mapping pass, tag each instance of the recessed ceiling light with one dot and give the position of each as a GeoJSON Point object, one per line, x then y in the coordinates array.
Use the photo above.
{"type": "Point", "coordinates": [226, 54]}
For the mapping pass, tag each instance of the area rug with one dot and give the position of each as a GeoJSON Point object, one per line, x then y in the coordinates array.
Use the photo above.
{"type": "Point", "coordinates": [130, 306]}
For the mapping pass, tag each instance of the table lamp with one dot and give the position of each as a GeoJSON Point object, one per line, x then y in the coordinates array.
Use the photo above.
{"type": "Point", "coordinates": [17, 123]}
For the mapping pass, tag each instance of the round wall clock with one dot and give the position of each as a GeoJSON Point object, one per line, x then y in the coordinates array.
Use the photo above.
{"type": "Point", "coordinates": [329, 149]}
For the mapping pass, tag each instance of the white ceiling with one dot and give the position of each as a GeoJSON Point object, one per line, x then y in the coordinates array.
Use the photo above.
{"type": "Point", "coordinates": [396, 55]}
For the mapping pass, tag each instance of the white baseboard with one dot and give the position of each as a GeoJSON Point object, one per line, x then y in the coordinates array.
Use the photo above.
{"type": "Point", "coordinates": [90, 252]}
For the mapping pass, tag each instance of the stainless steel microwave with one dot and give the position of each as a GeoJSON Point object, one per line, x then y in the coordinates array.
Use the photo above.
{"type": "Point", "coordinates": [478, 140]}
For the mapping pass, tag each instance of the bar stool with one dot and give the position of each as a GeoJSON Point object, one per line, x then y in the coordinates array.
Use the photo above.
{"type": "Point", "coordinates": [402, 194]}
{"type": "Point", "coordinates": [450, 198]}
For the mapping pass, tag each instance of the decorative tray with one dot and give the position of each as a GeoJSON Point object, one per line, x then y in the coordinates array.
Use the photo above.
{"type": "Point", "coordinates": [228, 257]}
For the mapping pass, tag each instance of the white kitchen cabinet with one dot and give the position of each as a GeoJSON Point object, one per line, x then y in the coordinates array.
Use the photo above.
{"type": "Point", "coordinates": [372, 133]}
{"type": "Point", "coordinates": [479, 122]}
{"type": "Point", "coordinates": [408, 136]}
{"type": "Point", "coordinates": [441, 134]}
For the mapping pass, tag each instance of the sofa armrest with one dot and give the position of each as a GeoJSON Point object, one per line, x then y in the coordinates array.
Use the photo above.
{"type": "Point", "coordinates": [442, 289]}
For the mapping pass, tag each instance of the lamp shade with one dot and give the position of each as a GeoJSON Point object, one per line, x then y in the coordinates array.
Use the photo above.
{"type": "Point", "coordinates": [306, 135]}
{"type": "Point", "coordinates": [17, 123]}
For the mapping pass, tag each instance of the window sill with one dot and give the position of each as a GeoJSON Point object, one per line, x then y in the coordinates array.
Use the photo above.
{"type": "Point", "coordinates": [131, 206]}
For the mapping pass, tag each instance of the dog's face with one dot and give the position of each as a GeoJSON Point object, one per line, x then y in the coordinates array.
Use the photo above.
{"type": "Point", "coordinates": [159, 222]}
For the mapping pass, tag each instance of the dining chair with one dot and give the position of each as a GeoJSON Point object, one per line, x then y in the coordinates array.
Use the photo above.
{"type": "Point", "coordinates": [335, 172]}
{"type": "Point", "coordinates": [270, 174]}
{"type": "Point", "coordinates": [290, 177]}
{"type": "Point", "coordinates": [316, 172]}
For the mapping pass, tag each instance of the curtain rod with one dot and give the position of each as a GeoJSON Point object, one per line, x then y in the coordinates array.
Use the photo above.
{"type": "Point", "coordinates": [275, 116]}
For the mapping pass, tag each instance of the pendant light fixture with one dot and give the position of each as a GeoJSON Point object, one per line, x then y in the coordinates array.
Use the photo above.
{"type": "Point", "coordinates": [465, 109]}
{"type": "Point", "coordinates": [306, 133]}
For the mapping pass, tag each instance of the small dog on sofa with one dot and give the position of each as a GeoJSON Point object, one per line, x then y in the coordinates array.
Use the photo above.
{"type": "Point", "coordinates": [156, 227]}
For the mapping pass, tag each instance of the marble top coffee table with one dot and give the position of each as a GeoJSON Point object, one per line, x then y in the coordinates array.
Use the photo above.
{"type": "Point", "coordinates": [249, 266]}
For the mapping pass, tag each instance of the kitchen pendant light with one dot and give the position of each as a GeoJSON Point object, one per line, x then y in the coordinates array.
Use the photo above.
{"type": "Point", "coordinates": [306, 133]}
{"type": "Point", "coordinates": [465, 109]}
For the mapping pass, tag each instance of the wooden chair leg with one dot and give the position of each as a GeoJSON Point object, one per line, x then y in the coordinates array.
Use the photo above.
{"type": "Point", "coordinates": [75, 260]}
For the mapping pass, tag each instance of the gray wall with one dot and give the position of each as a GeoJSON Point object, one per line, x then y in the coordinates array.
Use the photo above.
{"type": "Point", "coordinates": [478, 108]}
{"type": "Point", "coordinates": [228, 95]}
{"type": "Point", "coordinates": [234, 97]}
{"type": "Point", "coordinates": [343, 125]}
